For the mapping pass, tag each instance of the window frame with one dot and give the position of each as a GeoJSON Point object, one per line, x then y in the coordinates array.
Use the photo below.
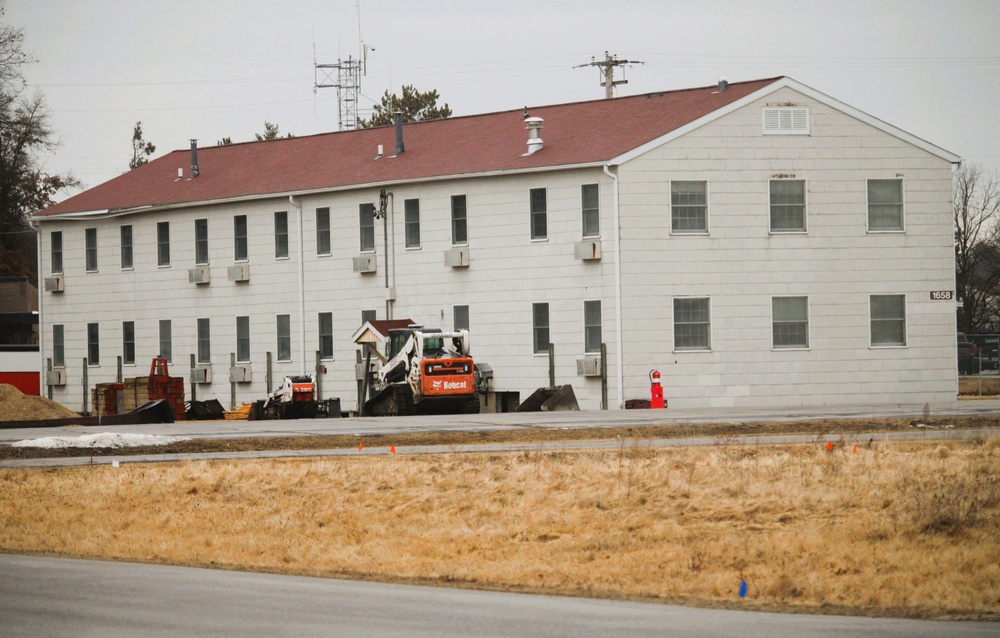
{"type": "Point", "coordinates": [56, 252]}
{"type": "Point", "coordinates": [323, 243]}
{"type": "Point", "coordinates": [163, 244]}
{"type": "Point", "coordinates": [592, 330]}
{"type": "Point", "coordinates": [785, 323]}
{"type": "Point", "coordinates": [538, 331]}
{"type": "Point", "coordinates": [872, 319]}
{"type": "Point", "coordinates": [243, 339]}
{"type": "Point", "coordinates": [538, 206]}
{"type": "Point", "coordinates": [128, 343]}
{"type": "Point", "coordinates": [324, 329]}
{"type": "Point", "coordinates": [459, 220]}
{"type": "Point", "coordinates": [281, 234]}
{"type": "Point", "coordinates": [240, 238]}
{"type": "Point", "coordinates": [676, 206]}
{"type": "Point", "coordinates": [707, 346]}
{"type": "Point", "coordinates": [201, 242]}
{"type": "Point", "coordinates": [283, 337]}
{"type": "Point", "coordinates": [165, 347]}
{"type": "Point", "coordinates": [203, 347]}
{"type": "Point", "coordinates": [90, 249]}
{"type": "Point", "coordinates": [590, 215]}
{"type": "Point", "coordinates": [804, 228]}
{"type": "Point", "coordinates": [366, 227]}
{"type": "Point", "coordinates": [126, 252]}
{"type": "Point", "coordinates": [411, 224]}
{"type": "Point", "coordinates": [93, 345]}
{"type": "Point", "coordinates": [460, 317]}
{"type": "Point", "coordinates": [58, 345]}
{"type": "Point", "coordinates": [901, 204]}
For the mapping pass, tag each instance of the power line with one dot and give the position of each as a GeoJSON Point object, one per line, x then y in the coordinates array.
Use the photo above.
{"type": "Point", "coordinates": [607, 68]}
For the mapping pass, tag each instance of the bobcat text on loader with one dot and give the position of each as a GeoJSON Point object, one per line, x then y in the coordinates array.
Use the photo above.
{"type": "Point", "coordinates": [427, 371]}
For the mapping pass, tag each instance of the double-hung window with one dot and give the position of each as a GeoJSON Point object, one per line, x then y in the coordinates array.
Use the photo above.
{"type": "Point", "coordinates": [885, 204]}
{"type": "Point", "coordinates": [590, 205]}
{"type": "Point", "coordinates": [58, 346]}
{"type": "Point", "coordinates": [790, 322]}
{"type": "Point", "coordinates": [243, 339]}
{"type": "Point", "coordinates": [540, 327]}
{"type": "Point", "coordinates": [240, 238]}
{"type": "Point", "coordinates": [539, 214]}
{"type": "Point", "coordinates": [459, 221]}
{"type": "Point", "coordinates": [91, 249]}
{"type": "Point", "coordinates": [888, 320]}
{"type": "Point", "coordinates": [56, 249]}
{"type": "Point", "coordinates": [461, 317]}
{"type": "Point", "coordinates": [128, 343]}
{"type": "Point", "coordinates": [281, 235]}
{"type": "Point", "coordinates": [326, 335]}
{"type": "Point", "coordinates": [200, 242]}
{"type": "Point", "coordinates": [692, 324]}
{"type": "Point", "coordinates": [411, 208]}
{"type": "Point", "coordinates": [166, 340]}
{"type": "Point", "coordinates": [323, 231]}
{"type": "Point", "coordinates": [367, 226]}
{"type": "Point", "coordinates": [284, 330]}
{"type": "Point", "coordinates": [592, 326]}
{"type": "Point", "coordinates": [689, 207]}
{"type": "Point", "coordinates": [788, 205]}
{"type": "Point", "coordinates": [163, 243]}
{"type": "Point", "coordinates": [204, 340]}
{"type": "Point", "coordinates": [93, 344]}
{"type": "Point", "coordinates": [126, 247]}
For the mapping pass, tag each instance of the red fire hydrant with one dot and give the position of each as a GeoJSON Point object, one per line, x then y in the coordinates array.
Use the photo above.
{"type": "Point", "coordinates": [655, 391]}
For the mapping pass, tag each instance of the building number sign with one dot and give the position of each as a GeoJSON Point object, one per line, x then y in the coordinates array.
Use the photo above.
{"type": "Point", "coordinates": [942, 295]}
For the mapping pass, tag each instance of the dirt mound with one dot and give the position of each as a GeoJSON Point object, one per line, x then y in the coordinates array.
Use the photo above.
{"type": "Point", "coordinates": [16, 406]}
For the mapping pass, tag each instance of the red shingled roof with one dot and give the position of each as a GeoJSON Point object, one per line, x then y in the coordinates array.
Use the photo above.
{"type": "Point", "coordinates": [576, 133]}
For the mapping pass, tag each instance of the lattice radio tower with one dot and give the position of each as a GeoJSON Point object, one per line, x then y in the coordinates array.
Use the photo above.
{"type": "Point", "coordinates": [345, 76]}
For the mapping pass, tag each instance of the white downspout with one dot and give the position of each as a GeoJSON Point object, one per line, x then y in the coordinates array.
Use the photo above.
{"type": "Point", "coordinates": [302, 285]}
{"type": "Point", "coordinates": [616, 239]}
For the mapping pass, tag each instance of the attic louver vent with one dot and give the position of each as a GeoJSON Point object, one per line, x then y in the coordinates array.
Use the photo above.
{"type": "Point", "coordinates": [793, 120]}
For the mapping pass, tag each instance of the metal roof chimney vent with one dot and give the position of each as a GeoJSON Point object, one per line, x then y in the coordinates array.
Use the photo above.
{"type": "Point", "coordinates": [400, 149]}
{"type": "Point", "coordinates": [723, 85]}
{"type": "Point", "coordinates": [534, 126]}
{"type": "Point", "coordinates": [194, 159]}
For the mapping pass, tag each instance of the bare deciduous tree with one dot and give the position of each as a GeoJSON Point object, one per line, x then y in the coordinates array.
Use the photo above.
{"type": "Point", "coordinates": [977, 249]}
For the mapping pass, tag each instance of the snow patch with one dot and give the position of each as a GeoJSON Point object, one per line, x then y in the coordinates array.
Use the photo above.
{"type": "Point", "coordinates": [102, 440]}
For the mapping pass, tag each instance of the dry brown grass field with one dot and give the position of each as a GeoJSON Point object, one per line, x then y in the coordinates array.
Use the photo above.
{"type": "Point", "coordinates": [902, 529]}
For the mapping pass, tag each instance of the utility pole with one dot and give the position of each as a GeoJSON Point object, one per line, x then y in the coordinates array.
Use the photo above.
{"type": "Point", "coordinates": [607, 69]}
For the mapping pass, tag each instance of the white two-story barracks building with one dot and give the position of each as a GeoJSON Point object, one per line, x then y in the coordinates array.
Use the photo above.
{"type": "Point", "coordinates": [759, 243]}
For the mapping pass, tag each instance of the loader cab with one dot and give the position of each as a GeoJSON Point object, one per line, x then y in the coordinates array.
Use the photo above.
{"type": "Point", "coordinates": [432, 346]}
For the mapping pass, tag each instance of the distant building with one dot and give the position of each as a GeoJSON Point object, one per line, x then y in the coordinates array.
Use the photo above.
{"type": "Point", "coordinates": [19, 360]}
{"type": "Point", "coordinates": [760, 243]}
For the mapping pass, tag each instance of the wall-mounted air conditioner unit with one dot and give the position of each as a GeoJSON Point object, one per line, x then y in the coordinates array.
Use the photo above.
{"type": "Point", "coordinates": [365, 263]}
{"type": "Point", "coordinates": [55, 283]}
{"type": "Point", "coordinates": [240, 374]}
{"type": "Point", "coordinates": [457, 257]}
{"type": "Point", "coordinates": [587, 250]}
{"type": "Point", "coordinates": [589, 366]}
{"type": "Point", "coordinates": [55, 376]}
{"type": "Point", "coordinates": [201, 374]}
{"type": "Point", "coordinates": [239, 272]}
{"type": "Point", "coordinates": [199, 275]}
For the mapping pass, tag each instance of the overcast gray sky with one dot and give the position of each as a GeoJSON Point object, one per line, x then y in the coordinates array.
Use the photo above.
{"type": "Point", "coordinates": [209, 69]}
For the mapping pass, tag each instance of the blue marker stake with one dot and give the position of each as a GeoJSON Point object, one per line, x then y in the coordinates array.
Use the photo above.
{"type": "Point", "coordinates": [743, 589]}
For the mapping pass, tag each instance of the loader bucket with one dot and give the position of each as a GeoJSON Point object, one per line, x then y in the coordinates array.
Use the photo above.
{"type": "Point", "coordinates": [555, 399]}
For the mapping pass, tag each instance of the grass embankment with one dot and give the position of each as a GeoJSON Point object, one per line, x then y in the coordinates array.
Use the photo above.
{"type": "Point", "coordinates": [905, 529]}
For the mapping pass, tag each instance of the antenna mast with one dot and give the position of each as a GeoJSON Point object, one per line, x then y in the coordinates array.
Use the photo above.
{"type": "Point", "coordinates": [345, 76]}
{"type": "Point", "coordinates": [607, 69]}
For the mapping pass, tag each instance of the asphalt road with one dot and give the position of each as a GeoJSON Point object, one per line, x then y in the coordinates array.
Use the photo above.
{"type": "Point", "coordinates": [515, 420]}
{"type": "Point", "coordinates": [65, 597]}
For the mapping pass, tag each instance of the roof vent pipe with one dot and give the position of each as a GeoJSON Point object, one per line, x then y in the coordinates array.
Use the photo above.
{"type": "Point", "coordinates": [534, 126]}
{"type": "Point", "coordinates": [399, 132]}
{"type": "Point", "coordinates": [723, 84]}
{"type": "Point", "coordinates": [194, 159]}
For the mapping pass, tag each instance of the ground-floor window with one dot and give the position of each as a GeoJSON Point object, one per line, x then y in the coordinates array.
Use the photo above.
{"type": "Point", "coordinates": [166, 340]}
{"type": "Point", "coordinates": [692, 324]}
{"type": "Point", "coordinates": [93, 344]}
{"type": "Point", "coordinates": [243, 339]}
{"type": "Point", "coordinates": [128, 342]}
{"type": "Point", "coordinates": [284, 338]}
{"type": "Point", "coordinates": [790, 322]}
{"type": "Point", "coordinates": [326, 335]}
{"type": "Point", "coordinates": [204, 341]}
{"type": "Point", "coordinates": [540, 327]}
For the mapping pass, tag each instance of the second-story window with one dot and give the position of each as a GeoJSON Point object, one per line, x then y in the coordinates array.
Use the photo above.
{"type": "Point", "coordinates": [163, 243]}
{"type": "Point", "coordinates": [126, 247]}
{"type": "Point", "coordinates": [281, 234]}
{"type": "Point", "coordinates": [322, 231]}
{"type": "Point", "coordinates": [201, 241]}
{"type": "Point", "coordinates": [55, 239]}
{"type": "Point", "coordinates": [366, 214]}
{"type": "Point", "coordinates": [412, 212]}
{"type": "Point", "coordinates": [539, 214]}
{"type": "Point", "coordinates": [459, 221]}
{"type": "Point", "coordinates": [91, 249]}
{"type": "Point", "coordinates": [240, 238]}
{"type": "Point", "coordinates": [591, 210]}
